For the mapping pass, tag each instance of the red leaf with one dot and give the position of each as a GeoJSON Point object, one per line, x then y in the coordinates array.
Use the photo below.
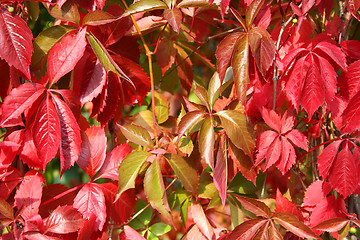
{"type": "Point", "coordinates": [262, 48]}
{"type": "Point", "coordinates": [328, 208]}
{"type": "Point", "coordinates": [283, 204]}
{"type": "Point", "coordinates": [327, 158]}
{"type": "Point", "coordinates": [19, 100]}
{"type": "Point", "coordinates": [221, 171]}
{"type": "Point", "coordinates": [224, 52]}
{"type": "Point", "coordinates": [93, 150]}
{"type": "Point", "coordinates": [131, 234]}
{"type": "Point", "coordinates": [351, 48]}
{"type": "Point", "coordinates": [112, 99]}
{"type": "Point", "coordinates": [165, 54]}
{"type": "Point", "coordinates": [64, 219]}
{"type": "Point", "coordinates": [121, 210]}
{"type": "Point", "coordinates": [90, 201]}
{"type": "Point", "coordinates": [29, 195]}
{"type": "Point", "coordinates": [90, 78]}
{"type": "Point", "coordinates": [307, 5]}
{"type": "Point", "coordinates": [28, 152]}
{"type": "Point", "coordinates": [351, 120]}
{"type": "Point", "coordinates": [185, 68]}
{"type": "Point", "coordinates": [343, 176]}
{"type": "Point", "coordinates": [70, 135]}
{"type": "Point", "coordinates": [174, 18]}
{"type": "Point", "coordinates": [46, 132]}
{"type": "Point", "coordinates": [15, 42]}
{"type": "Point", "coordinates": [353, 6]}
{"type": "Point", "coordinates": [333, 51]}
{"type": "Point", "coordinates": [9, 179]}
{"type": "Point", "coordinates": [275, 147]}
{"type": "Point", "coordinates": [201, 221]}
{"type": "Point", "coordinates": [65, 54]}
{"type": "Point", "coordinates": [332, 225]}
{"type": "Point", "coordinates": [316, 192]}
{"type": "Point", "coordinates": [110, 168]}
{"type": "Point", "coordinates": [9, 148]}
{"type": "Point", "coordinates": [349, 81]}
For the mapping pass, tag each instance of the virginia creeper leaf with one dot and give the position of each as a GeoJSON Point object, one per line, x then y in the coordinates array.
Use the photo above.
{"type": "Point", "coordinates": [155, 190]}
{"type": "Point", "coordinates": [201, 220]}
{"type": "Point", "coordinates": [184, 171]}
{"type": "Point", "coordinates": [144, 6]}
{"type": "Point", "coordinates": [64, 55]}
{"type": "Point", "coordinates": [93, 150]}
{"type": "Point", "coordinates": [235, 125]}
{"type": "Point", "coordinates": [247, 229]}
{"type": "Point", "coordinates": [174, 18]}
{"type": "Point", "coordinates": [5, 209]}
{"type": "Point", "coordinates": [64, 219]}
{"type": "Point", "coordinates": [68, 12]}
{"type": "Point", "coordinates": [138, 135]}
{"type": "Point", "coordinates": [252, 11]}
{"type": "Point", "coordinates": [19, 100]}
{"type": "Point", "coordinates": [240, 65]}
{"type": "Point", "coordinates": [332, 225]}
{"type": "Point", "coordinates": [28, 196]}
{"type": "Point", "coordinates": [161, 108]}
{"type": "Point", "coordinates": [221, 171]}
{"type": "Point", "coordinates": [46, 131]}
{"type": "Point", "coordinates": [351, 119]}
{"type": "Point", "coordinates": [70, 145]}
{"type": "Point", "coordinates": [110, 168]}
{"type": "Point", "coordinates": [165, 54]}
{"type": "Point", "coordinates": [90, 201]}
{"type": "Point", "coordinates": [207, 141]}
{"type": "Point", "coordinates": [129, 169]}
{"type": "Point", "coordinates": [15, 42]}
{"type": "Point", "coordinates": [131, 234]}
{"type": "Point", "coordinates": [255, 206]}
{"type": "Point", "coordinates": [292, 224]}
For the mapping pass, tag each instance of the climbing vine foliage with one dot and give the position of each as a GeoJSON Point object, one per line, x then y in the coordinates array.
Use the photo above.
{"type": "Point", "coordinates": [179, 119]}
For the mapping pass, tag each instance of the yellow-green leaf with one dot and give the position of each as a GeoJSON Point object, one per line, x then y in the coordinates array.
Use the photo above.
{"type": "Point", "coordinates": [161, 108]}
{"type": "Point", "coordinates": [138, 135]}
{"type": "Point", "coordinates": [144, 6]}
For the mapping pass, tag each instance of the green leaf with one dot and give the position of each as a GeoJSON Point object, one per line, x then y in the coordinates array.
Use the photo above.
{"type": "Point", "coordinates": [144, 218]}
{"type": "Point", "coordinates": [186, 145]}
{"type": "Point", "coordinates": [161, 108]}
{"type": "Point", "coordinates": [240, 65]}
{"type": "Point", "coordinates": [185, 171]}
{"type": "Point", "coordinates": [155, 190]}
{"type": "Point", "coordinates": [144, 6]}
{"type": "Point", "coordinates": [105, 58]}
{"type": "Point", "coordinates": [292, 224]}
{"type": "Point", "coordinates": [160, 228]}
{"type": "Point", "coordinates": [236, 215]}
{"type": "Point", "coordinates": [145, 119]}
{"type": "Point", "coordinates": [129, 169]}
{"type": "Point", "coordinates": [33, 10]}
{"type": "Point", "coordinates": [235, 125]}
{"type": "Point", "coordinates": [138, 135]}
{"type": "Point", "coordinates": [184, 209]}
{"type": "Point", "coordinates": [45, 41]}
{"type": "Point", "coordinates": [206, 187]}
{"type": "Point", "coordinates": [252, 11]}
{"type": "Point", "coordinates": [207, 141]}
{"type": "Point", "coordinates": [68, 12]}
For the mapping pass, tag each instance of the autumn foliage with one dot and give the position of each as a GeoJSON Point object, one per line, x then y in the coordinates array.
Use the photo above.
{"type": "Point", "coordinates": [169, 119]}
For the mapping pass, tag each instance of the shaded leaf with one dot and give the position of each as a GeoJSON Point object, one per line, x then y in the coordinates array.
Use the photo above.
{"type": "Point", "coordinates": [292, 224]}
{"type": "Point", "coordinates": [5, 209]}
{"type": "Point", "coordinates": [186, 172]}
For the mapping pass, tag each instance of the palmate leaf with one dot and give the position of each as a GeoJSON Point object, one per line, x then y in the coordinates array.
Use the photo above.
{"type": "Point", "coordinates": [15, 42]}
{"type": "Point", "coordinates": [90, 202]}
{"type": "Point", "coordinates": [64, 55]}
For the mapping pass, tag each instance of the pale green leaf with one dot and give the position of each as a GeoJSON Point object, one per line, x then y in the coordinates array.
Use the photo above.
{"type": "Point", "coordinates": [129, 169]}
{"type": "Point", "coordinates": [161, 108]}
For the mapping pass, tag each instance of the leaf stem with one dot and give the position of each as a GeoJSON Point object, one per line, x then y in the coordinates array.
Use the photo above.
{"type": "Point", "coordinates": [148, 54]}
